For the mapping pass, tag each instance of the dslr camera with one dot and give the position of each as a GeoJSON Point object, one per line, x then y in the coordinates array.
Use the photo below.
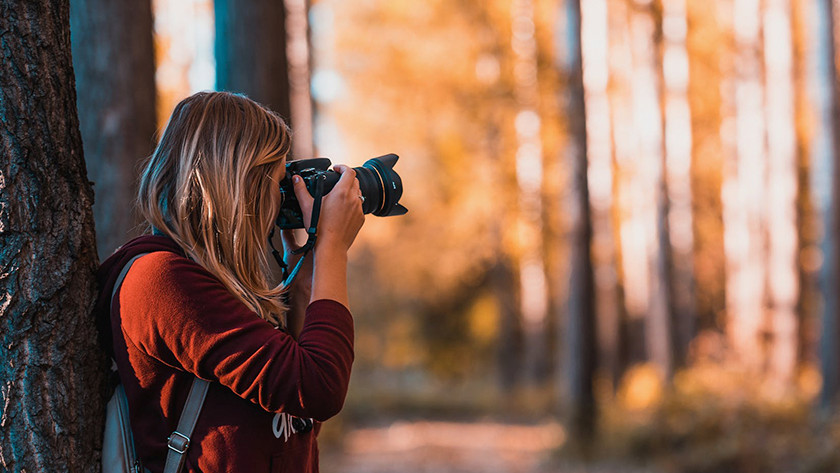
{"type": "Point", "coordinates": [381, 187]}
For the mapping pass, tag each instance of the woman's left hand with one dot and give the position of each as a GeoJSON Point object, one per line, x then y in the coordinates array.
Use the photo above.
{"type": "Point", "coordinates": [300, 289]}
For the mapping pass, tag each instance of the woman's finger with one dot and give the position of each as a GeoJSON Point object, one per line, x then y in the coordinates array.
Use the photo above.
{"type": "Point", "coordinates": [304, 198]}
{"type": "Point", "coordinates": [348, 176]}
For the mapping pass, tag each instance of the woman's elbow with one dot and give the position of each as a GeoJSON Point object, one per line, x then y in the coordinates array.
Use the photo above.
{"type": "Point", "coordinates": [325, 410]}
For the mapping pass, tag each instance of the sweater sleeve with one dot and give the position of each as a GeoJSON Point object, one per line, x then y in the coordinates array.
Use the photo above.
{"type": "Point", "coordinates": [178, 313]}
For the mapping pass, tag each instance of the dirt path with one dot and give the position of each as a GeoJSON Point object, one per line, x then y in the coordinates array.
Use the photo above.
{"type": "Point", "coordinates": [449, 447]}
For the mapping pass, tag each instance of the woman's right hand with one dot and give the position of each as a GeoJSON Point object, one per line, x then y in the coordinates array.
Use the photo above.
{"type": "Point", "coordinates": [341, 215]}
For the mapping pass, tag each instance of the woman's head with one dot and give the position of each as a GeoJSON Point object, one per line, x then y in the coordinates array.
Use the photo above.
{"type": "Point", "coordinates": [212, 185]}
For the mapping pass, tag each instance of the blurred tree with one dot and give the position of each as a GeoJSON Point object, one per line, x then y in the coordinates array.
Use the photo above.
{"type": "Point", "coordinates": [645, 37]}
{"type": "Point", "coordinates": [301, 108]}
{"type": "Point", "coordinates": [744, 191]}
{"type": "Point", "coordinates": [709, 54]}
{"type": "Point", "coordinates": [601, 181]}
{"type": "Point", "coordinates": [52, 401]}
{"type": "Point", "coordinates": [825, 148]}
{"type": "Point", "coordinates": [529, 178]}
{"type": "Point", "coordinates": [115, 77]}
{"type": "Point", "coordinates": [251, 52]}
{"type": "Point", "coordinates": [578, 330]}
{"type": "Point", "coordinates": [630, 188]}
{"type": "Point", "coordinates": [782, 217]}
{"type": "Point", "coordinates": [676, 209]}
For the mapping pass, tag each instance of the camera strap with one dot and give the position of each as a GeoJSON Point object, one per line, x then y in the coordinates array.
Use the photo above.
{"type": "Point", "coordinates": [311, 232]}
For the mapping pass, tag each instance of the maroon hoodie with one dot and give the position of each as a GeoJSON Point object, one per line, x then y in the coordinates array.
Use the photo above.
{"type": "Point", "coordinates": [172, 320]}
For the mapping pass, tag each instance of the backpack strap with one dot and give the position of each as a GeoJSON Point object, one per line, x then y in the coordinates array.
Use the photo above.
{"type": "Point", "coordinates": [179, 441]}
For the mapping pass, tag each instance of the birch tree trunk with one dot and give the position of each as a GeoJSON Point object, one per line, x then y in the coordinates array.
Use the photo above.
{"type": "Point", "coordinates": [782, 239]}
{"type": "Point", "coordinates": [744, 191]}
{"type": "Point", "coordinates": [52, 400]}
{"type": "Point", "coordinates": [648, 114]}
{"type": "Point", "coordinates": [115, 75]}
{"type": "Point", "coordinates": [578, 332]}
{"type": "Point", "coordinates": [632, 192]}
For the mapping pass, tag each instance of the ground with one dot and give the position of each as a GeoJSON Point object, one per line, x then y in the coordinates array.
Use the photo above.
{"type": "Point", "coordinates": [454, 447]}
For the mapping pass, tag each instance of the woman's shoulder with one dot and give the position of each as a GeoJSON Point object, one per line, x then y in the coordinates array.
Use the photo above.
{"type": "Point", "coordinates": [164, 262]}
{"type": "Point", "coordinates": [165, 274]}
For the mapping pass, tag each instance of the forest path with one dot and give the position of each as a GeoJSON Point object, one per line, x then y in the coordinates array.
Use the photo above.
{"type": "Point", "coordinates": [453, 447]}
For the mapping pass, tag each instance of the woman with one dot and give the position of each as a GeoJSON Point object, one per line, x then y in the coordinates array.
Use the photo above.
{"type": "Point", "coordinates": [201, 301]}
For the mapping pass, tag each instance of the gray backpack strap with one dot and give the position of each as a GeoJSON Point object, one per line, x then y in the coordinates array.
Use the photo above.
{"type": "Point", "coordinates": [119, 404]}
{"type": "Point", "coordinates": [124, 271]}
{"type": "Point", "coordinates": [179, 441]}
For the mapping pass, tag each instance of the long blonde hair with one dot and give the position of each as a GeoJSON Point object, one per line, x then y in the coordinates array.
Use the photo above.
{"type": "Point", "coordinates": [208, 187]}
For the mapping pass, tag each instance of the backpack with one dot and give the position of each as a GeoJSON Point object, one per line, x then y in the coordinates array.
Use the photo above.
{"type": "Point", "coordinates": [118, 452]}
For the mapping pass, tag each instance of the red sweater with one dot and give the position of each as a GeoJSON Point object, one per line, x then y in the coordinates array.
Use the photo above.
{"type": "Point", "coordinates": [172, 320]}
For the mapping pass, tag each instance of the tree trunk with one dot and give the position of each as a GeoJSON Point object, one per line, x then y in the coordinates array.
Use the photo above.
{"type": "Point", "coordinates": [300, 74]}
{"type": "Point", "coordinates": [630, 187]}
{"type": "Point", "coordinates": [529, 175]}
{"type": "Point", "coordinates": [251, 55]}
{"type": "Point", "coordinates": [676, 206]}
{"type": "Point", "coordinates": [706, 62]}
{"type": "Point", "coordinates": [826, 187]}
{"type": "Point", "coordinates": [744, 192]}
{"type": "Point", "coordinates": [601, 183]}
{"type": "Point", "coordinates": [579, 345]}
{"type": "Point", "coordinates": [509, 347]}
{"type": "Point", "coordinates": [782, 218]}
{"type": "Point", "coordinates": [115, 76]}
{"type": "Point", "coordinates": [653, 213]}
{"type": "Point", "coordinates": [53, 391]}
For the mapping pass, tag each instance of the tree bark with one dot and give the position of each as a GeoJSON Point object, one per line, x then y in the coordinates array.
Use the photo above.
{"type": "Point", "coordinates": [113, 57]}
{"type": "Point", "coordinates": [53, 391]}
{"type": "Point", "coordinates": [251, 52]}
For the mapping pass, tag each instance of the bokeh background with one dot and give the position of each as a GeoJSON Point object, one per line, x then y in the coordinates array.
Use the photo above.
{"type": "Point", "coordinates": [621, 247]}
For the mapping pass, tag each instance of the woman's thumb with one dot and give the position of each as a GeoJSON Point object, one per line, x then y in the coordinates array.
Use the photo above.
{"type": "Point", "coordinates": [300, 188]}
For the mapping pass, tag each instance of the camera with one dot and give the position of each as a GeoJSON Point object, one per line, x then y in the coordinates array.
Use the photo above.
{"type": "Point", "coordinates": [381, 187]}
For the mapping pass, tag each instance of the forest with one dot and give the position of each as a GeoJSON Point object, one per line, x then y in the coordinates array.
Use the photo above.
{"type": "Point", "coordinates": [621, 251]}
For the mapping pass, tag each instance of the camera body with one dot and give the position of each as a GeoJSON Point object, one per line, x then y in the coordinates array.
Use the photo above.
{"type": "Point", "coordinates": [381, 187]}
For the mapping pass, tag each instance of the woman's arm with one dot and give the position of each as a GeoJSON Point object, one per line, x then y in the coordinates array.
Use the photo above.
{"type": "Point", "coordinates": [340, 221]}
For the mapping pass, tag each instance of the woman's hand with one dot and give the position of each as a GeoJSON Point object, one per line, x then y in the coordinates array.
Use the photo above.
{"type": "Point", "coordinates": [340, 220]}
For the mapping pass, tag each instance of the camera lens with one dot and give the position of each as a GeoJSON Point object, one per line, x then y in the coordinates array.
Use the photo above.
{"type": "Point", "coordinates": [381, 186]}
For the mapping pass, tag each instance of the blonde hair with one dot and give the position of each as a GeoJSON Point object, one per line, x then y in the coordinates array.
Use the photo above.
{"type": "Point", "coordinates": [208, 187]}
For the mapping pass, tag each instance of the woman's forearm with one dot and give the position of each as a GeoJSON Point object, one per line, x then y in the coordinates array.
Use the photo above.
{"type": "Point", "coordinates": [329, 279]}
